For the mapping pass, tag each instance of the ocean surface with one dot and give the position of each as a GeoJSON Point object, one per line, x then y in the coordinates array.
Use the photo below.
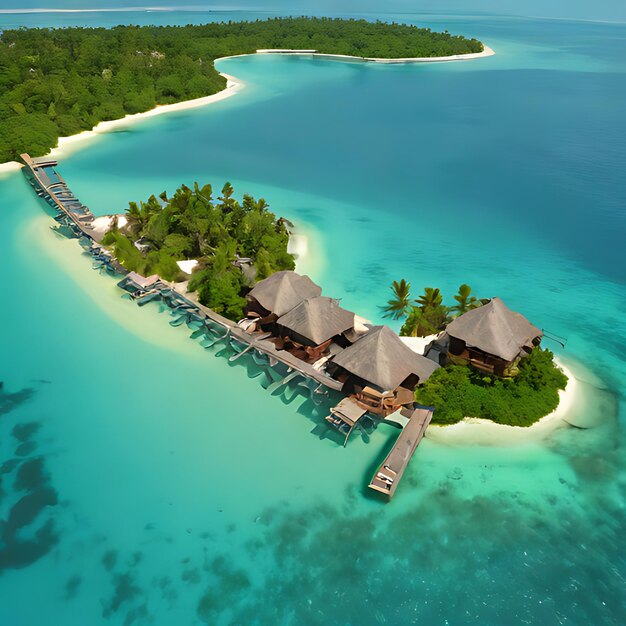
{"type": "Point", "coordinates": [146, 480]}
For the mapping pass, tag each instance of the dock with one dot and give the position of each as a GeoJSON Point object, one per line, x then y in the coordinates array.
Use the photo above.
{"type": "Point", "coordinates": [236, 333]}
{"type": "Point", "coordinates": [51, 186]}
{"type": "Point", "coordinates": [390, 472]}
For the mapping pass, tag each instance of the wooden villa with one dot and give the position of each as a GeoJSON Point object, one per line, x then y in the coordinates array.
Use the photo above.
{"type": "Point", "coordinates": [275, 296]}
{"type": "Point", "coordinates": [491, 338]}
{"type": "Point", "coordinates": [379, 373]}
{"type": "Point", "coordinates": [311, 327]}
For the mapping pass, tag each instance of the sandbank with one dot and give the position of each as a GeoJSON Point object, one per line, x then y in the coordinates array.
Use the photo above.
{"type": "Point", "coordinates": [487, 52]}
{"type": "Point", "coordinates": [477, 431]}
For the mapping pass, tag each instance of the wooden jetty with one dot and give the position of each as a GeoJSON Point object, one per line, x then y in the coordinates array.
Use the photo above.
{"type": "Point", "coordinates": [51, 186]}
{"type": "Point", "coordinates": [237, 333]}
{"type": "Point", "coordinates": [390, 472]}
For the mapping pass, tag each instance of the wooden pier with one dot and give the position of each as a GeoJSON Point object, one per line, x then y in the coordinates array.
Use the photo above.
{"type": "Point", "coordinates": [51, 186]}
{"type": "Point", "coordinates": [239, 334]}
{"type": "Point", "coordinates": [390, 472]}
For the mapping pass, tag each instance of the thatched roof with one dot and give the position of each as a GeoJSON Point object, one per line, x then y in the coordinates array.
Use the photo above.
{"type": "Point", "coordinates": [282, 291]}
{"type": "Point", "coordinates": [317, 319]}
{"type": "Point", "coordinates": [142, 281]}
{"type": "Point", "coordinates": [495, 329]}
{"type": "Point", "coordinates": [380, 358]}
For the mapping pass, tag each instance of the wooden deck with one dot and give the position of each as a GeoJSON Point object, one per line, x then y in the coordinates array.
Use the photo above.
{"type": "Point", "coordinates": [58, 194]}
{"type": "Point", "coordinates": [390, 473]}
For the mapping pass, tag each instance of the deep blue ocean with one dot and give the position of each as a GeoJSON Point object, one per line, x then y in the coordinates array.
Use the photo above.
{"type": "Point", "coordinates": [145, 480]}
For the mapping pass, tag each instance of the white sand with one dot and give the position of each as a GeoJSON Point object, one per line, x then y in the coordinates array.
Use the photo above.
{"type": "Point", "coordinates": [306, 245]}
{"type": "Point", "coordinates": [187, 265]}
{"type": "Point", "coordinates": [476, 431]}
{"type": "Point", "coordinates": [9, 166]}
{"type": "Point", "coordinates": [418, 344]}
{"type": "Point", "coordinates": [487, 52]}
{"type": "Point", "coordinates": [68, 145]}
{"type": "Point", "coordinates": [101, 225]}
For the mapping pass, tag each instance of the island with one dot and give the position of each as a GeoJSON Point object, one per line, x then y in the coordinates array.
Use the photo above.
{"type": "Point", "coordinates": [224, 269]}
{"type": "Point", "coordinates": [59, 82]}
{"type": "Point", "coordinates": [493, 365]}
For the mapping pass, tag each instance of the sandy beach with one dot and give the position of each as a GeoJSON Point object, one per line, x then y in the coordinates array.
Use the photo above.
{"type": "Point", "coordinates": [487, 52]}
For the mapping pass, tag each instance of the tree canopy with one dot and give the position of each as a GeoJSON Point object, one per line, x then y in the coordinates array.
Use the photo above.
{"type": "Point", "coordinates": [234, 242]}
{"type": "Point", "coordinates": [58, 82]}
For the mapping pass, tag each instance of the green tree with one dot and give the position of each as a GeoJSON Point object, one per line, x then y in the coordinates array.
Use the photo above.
{"type": "Point", "coordinates": [431, 298]}
{"type": "Point", "coordinates": [399, 305]}
{"type": "Point", "coordinates": [465, 301]}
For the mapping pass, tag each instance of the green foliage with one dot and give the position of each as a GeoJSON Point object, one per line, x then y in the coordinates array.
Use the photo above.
{"type": "Point", "coordinates": [465, 301]}
{"type": "Point", "coordinates": [458, 391]}
{"type": "Point", "coordinates": [191, 224]}
{"type": "Point", "coordinates": [400, 304]}
{"type": "Point", "coordinates": [426, 315]}
{"type": "Point", "coordinates": [57, 82]}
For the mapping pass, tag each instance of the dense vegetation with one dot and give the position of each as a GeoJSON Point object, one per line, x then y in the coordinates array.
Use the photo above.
{"type": "Point", "coordinates": [58, 82]}
{"type": "Point", "coordinates": [458, 391]}
{"type": "Point", "coordinates": [427, 314]}
{"type": "Point", "coordinates": [192, 225]}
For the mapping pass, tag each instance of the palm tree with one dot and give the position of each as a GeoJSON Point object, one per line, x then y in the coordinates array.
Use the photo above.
{"type": "Point", "coordinates": [400, 305]}
{"type": "Point", "coordinates": [466, 302]}
{"type": "Point", "coordinates": [431, 299]}
{"type": "Point", "coordinates": [416, 324]}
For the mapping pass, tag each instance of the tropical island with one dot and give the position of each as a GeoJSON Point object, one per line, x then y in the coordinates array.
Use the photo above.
{"type": "Point", "coordinates": [485, 361]}
{"type": "Point", "coordinates": [59, 82]}
{"type": "Point", "coordinates": [493, 364]}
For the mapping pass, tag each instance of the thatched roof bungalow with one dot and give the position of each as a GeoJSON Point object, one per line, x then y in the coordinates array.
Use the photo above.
{"type": "Point", "coordinates": [315, 322]}
{"type": "Point", "coordinates": [381, 371]}
{"type": "Point", "coordinates": [492, 338]}
{"type": "Point", "coordinates": [279, 293]}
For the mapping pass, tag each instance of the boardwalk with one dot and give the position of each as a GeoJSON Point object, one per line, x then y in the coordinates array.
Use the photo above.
{"type": "Point", "coordinates": [390, 472]}
{"type": "Point", "coordinates": [51, 186]}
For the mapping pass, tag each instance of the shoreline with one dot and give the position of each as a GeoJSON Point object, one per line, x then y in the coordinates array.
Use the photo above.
{"type": "Point", "coordinates": [480, 431]}
{"type": "Point", "coordinates": [67, 145]}
{"type": "Point", "coordinates": [487, 52]}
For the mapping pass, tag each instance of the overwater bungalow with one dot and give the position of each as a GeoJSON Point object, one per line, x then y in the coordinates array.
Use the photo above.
{"type": "Point", "coordinates": [275, 296]}
{"type": "Point", "coordinates": [491, 338]}
{"type": "Point", "coordinates": [311, 327]}
{"type": "Point", "coordinates": [379, 372]}
{"type": "Point", "coordinates": [136, 282]}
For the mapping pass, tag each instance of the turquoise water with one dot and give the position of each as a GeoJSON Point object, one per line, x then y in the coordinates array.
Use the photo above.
{"type": "Point", "coordinates": [145, 480]}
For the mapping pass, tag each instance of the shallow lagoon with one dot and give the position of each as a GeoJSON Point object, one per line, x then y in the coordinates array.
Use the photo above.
{"type": "Point", "coordinates": [164, 486]}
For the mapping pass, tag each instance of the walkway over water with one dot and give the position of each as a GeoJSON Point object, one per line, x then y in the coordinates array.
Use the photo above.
{"type": "Point", "coordinates": [390, 472]}
{"type": "Point", "coordinates": [51, 186]}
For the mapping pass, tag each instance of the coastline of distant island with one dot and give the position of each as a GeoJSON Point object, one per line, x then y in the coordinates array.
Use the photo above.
{"type": "Point", "coordinates": [34, 125]}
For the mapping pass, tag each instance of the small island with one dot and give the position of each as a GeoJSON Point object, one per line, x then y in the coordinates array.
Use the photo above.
{"type": "Point", "coordinates": [59, 82]}
{"type": "Point", "coordinates": [493, 366]}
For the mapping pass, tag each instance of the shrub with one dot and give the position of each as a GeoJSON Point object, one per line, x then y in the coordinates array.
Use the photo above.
{"type": "Point", "coordinates": [459, 391]}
